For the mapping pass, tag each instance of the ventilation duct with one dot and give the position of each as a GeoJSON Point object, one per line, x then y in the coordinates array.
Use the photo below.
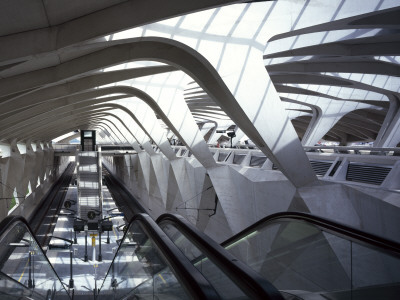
{"type": "Point", "coordinates": [371, 174]}
{"type": "Point", "coordinates": [320, 167]}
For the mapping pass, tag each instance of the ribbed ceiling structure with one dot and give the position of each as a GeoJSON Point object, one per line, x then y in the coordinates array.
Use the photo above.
{"type": "Point", "coordinates": [67, 65]}
{"type": "Point", "coordinates": [284, 75]}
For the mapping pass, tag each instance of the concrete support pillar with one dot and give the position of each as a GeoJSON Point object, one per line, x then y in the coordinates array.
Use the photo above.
{"type": "Point", "coordinates": [29, 169]}
{"type": "Point", "coordinates": [3, 202]}
{"type": "Point", "coordinates": [265, 122]}
{"type": "Point", "coordinates": [182, 122]}
{"type": "Point", "coordinates": [13, 171]}
{"type": "Point", "coordinates": [319, 128]}
{"type": "Point", "coordinates": [389, 135]}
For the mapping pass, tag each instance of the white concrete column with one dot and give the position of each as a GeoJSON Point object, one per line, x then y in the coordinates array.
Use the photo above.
{"type": "Point", "coordinates": [389, 135]}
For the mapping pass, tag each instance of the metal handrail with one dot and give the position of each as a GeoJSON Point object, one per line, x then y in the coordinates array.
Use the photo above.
{"type": "Point", "coordinates": [192, 280]}
{"type": "Point", "coordinates": [115, 181]}
{"type": "Point", "coordinates": [339, 229]}
{"type": "Point", "coordinates": [336, 149]}
{"type": "Point", "coordinates": [346, 148]}
{"type": "Point", "coordinates": [250, 282]}
{"type": "Point", "coordinates": [11, 220]}
{"type": "Point", "coordinates": [21, 285]}
{"type": "Point", "coordinates": [354, 150]}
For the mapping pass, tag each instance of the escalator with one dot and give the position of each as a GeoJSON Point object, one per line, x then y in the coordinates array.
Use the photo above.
{"type": "Point", "coordinates": [289, 256]}
{"type": "Point", "coordinates": [284, 256]}
{"type": "Point", "coordinates": [148, 265]}
{"type": "Point", "coordinates": [25, 271]}
{"type": "Point", "coordinates": [229, 276]}
{"type": "Point", "coordinates": [121, 195]}
{"type": "Point", "coordinates": [309, 257]}
{"type": "Point", "coordinates": [303, 256]}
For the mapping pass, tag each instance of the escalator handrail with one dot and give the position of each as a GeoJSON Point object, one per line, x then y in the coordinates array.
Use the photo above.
{"type": "Point", "coordinates": [139, 207]}
{"type": "Point", "coordinates": [20, 284]}
{"type": "Point", "coordinates": [9, 221]}
{"type": "Point", "coordinates": [251, 283]}
{"type": "Point", "coordinates": [39, 207]}
{"type": "Point", "coordinates": [192, 280]}
{"type": "Point", "coordinates": [342, 230]}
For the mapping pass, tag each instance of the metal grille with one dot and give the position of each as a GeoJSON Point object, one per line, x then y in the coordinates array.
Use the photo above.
{"type": "Point", "coordinates": [371, 174]}
{"type": "Point", "coordinates": [320, 167]}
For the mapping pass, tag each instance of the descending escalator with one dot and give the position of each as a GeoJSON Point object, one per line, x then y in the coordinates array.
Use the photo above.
{"type": "Point", "coordinates": [284, 256]}
{"type": "Point", "coordinates": [314, 258]}
{"type": "Point", "coordinates": [303, 256]}
{"type": "Point", "coordinates": [148, 265]}
{"type": "Point", "coordinates": [229, 276]}
{"type": "Point", "coordinates": [246, 283]}
{"type": "Point", "coordinates": [300, 255]}
{"type": "Point", "coordinates": [121, 195]}
{"type": "Point", "coordinates": [44, 217]}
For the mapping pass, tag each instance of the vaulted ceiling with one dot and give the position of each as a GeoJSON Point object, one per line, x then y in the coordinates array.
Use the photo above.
{"type": "Point", "coordinates": [66, 65]}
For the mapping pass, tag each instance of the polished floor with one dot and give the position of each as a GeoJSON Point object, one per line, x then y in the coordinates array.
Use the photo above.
{"type": "Point", "coordinates": [86, 275]}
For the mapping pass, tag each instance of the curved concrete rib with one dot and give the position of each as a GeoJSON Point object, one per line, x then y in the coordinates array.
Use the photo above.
{"type": "Point", "coordinates": [192, 138]}
{"type": "Point", "coordinates": [316, 115]}
{"type": "Point", "coordinates": [283, 147]}
{"type": "Point", "coordinates": [46, 105]}
{"type": "Point", "coordinates": [35, 81]}
{"type": "Point", "coordinates": [64, 120]}
{"type": "Point", "coordinates": [343, 65]}
{"type": "Point", "coordinates": [119, 17]}
{"type": "Point", "coordinates": [87, 107]}
{"type": "Point", "coordinates": [69, 138]}
{"type": "Point", "coordinates": [85, 121]}
{"type": "Point", "coordinates": [382, 20]}
{"type": "Point", "coordinates": [388, 127]}
{"type": "Point", "coordinates": [50, 116]}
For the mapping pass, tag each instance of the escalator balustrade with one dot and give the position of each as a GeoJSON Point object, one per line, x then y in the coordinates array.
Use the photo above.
{"type": "Point", "coordinates": [148, 265]}
{"type": "Point", "coordinates": [284, 256]}
{"type": "Point", "coordinates": [25, 271]}
{"type": "Point", "coordinates": [308, 257]}
{"type": "Point", "coordinates": [229, 276]}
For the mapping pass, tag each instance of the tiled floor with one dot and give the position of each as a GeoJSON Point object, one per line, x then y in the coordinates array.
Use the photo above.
{"type": "Point", "coordinates": [86, 275]}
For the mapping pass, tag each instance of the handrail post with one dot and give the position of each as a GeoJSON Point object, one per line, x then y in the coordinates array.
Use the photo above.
{"type": "Point", "coordinates": [85, 258]}
{"type": "Point", "coordinates": [30, 283]}
{"type": "Point", "coordinates": [71, 280]}
{"type": "Point", "coordinates": [100, 257]}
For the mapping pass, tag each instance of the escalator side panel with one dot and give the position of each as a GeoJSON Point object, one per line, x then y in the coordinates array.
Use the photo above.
{"type": "Point", "coordinates": [310, 259]}
{"type": "Point", "coordinates": [24, 265]}
{"type": "Point", "coordinates": [231, 273]}
{"type": "Point", "coordinates": [222, 283]}
{"type": "Point", "coordinates": [148, 264]}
